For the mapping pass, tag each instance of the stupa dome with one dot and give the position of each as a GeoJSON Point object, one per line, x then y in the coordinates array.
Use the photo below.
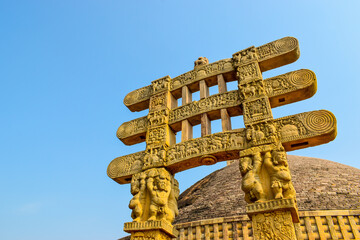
{"type": "Point", "coordinates": [320, 185]}
{"type": "Point", "coordinates": [328, 197]}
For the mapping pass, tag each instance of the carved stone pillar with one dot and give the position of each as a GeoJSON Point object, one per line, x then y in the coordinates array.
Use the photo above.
{"type": "Point", "coordinates": [155, 190]}
{"type": "Point", "coordinates": [154, 205]}
{"type": "Point", "coordinates": [266, 178]}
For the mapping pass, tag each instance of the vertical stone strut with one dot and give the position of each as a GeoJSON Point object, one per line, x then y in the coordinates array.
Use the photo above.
{"type": "Point", "coordinates": [186, 127]}
{"type": "Point", "coordinates": [204, 93]}
{"type": "Point", "coordinates": [205, 121]}
{"type": "Point", "coordinates": [263, 166]}
{"type": "Point", "coordinates": [225, 118]}
{"type": "Point", "coordinates": [155, 189]}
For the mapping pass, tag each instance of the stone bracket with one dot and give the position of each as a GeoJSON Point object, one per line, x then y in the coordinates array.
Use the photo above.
{"type": "Point", "coordinates": [274, 205]}
{"type": "Point", "coordinates": [166, 227]}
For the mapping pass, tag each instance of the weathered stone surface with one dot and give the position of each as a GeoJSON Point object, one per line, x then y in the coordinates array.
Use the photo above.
{"type": "Point", "coordinates": [261, 145]}
{"type": "Point", "coordinates": [320, 185]}
{"type": "Point", "coordinates": [283, 89]}
{"type": "Point", "coordinates": [155, 194]}
{"type": "Point", "coordinates": [295, 132]}
{"type": "Point", "coordinates": [157, 229]}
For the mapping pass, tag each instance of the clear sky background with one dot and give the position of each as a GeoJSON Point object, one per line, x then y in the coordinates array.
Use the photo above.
{"type": "Point", "coordinates": [66, 66]}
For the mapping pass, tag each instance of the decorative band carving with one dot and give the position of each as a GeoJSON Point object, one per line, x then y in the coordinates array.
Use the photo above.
{"type": "Point", "coordinates": [132, 128]}
{"type": "Point", "coordinates": [279, 87]}
{"type": "Point", "coordinates": [126, 166]}
{"type": "Point", "coordinates": [320, 121]}
{"type": "Point", "coordinates": [150, 225]}
{"type": "Point", "coordinates": [138, 96]}
{"type": "Point", "coordinates": [274, 205]}
{"type": "Point", "coordinates": [203, 72]}
{"type": "Point", "coordinates": [215, 102]}
{"type": "Point", "coordinates": [270, 205]}
{"type": "Point", "coordinates": [267, 55]}
{"type": "Point", "coordinates": [278, 47]}
{"type": "Point", "coordinates": [207, 145]}
{"type": "Point", "coordinates": [290, 82]}
{"type": "Point", "coordinates": [296, 131]}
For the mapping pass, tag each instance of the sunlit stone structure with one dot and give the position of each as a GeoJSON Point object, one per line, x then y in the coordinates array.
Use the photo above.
{"type": "Point", "coordinates": [260, 147]}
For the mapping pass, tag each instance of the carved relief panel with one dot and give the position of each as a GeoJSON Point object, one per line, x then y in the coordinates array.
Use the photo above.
{"type": "Point", "coordinates": [251, 89]}
{"type": "Point", "coordinates": [133, 127]}
{"type": "Point", "coordinates": [158, 136]}
{"type": "Point", "coordinates": [155, 157]}
{"type": "Point", "coordinates": [160, 84]}
{"type": "Point", "coordinates": [158, 117]}
{"type": "Point", "coordinates": [125, 166]}
{"type": "Point", "coordinates": [244, 56]}
{"type": "Point", "coordinates": [257, 110]}
{"type": "Point", "coordinates": [159, 101]}
{"type": "Point", "coordinates": [261, 133]}
{"type": "Point", "coordinates": [214, 102]}
{"type": "Point", "coordinates": [155, 193]}
{"type": "Point", "coordinates": [207, 145]}
{"type": "Point", "coordinates": [265, 173]}
{"type": "Point", "coordinates": [278, 47]}
{"type": "Point", "coordinates": [273, 225]}
{"type": "Point", "coordinates": [249, 71]}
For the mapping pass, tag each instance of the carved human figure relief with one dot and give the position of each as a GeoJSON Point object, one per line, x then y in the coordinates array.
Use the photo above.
{"type": "Point", "coordinates": [173, 198]}
{"type": "Point", "coordinates": [254, 134]}
{"type": "Point", "coordinates": [245, 55]}
{"type": "Point", "coordinates": [250, 169]}
{"type": "Point", "coordinates": [265, 173]}
{"type": "Point", "coordinates": [138, 190]}
{"type": "Point", "coordinates": [155, 194]}
{"type": "Point", "coordinates": [159, 187]}
{"type": "Point", "coordinates": [275, 162]}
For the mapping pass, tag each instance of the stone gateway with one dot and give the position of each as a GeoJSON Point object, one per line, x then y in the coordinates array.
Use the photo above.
{"type": "Point", "coordinates": [260, 146]}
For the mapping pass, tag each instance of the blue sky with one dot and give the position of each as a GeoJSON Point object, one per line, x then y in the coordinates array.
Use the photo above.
{"type": "Point", "coordinates": [66, 66]}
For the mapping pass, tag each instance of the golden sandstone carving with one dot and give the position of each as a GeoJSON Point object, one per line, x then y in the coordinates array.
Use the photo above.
{"type": "Point", "coordinates": [266, 175]}
{"type": "Point", "coordinates": [201, 61]}
{"type": "Point", "coordinates": [283, 89]}
{"type": "Point", "coordinates": [155, 194]}
{"type": "Point", "coordinates": [296, 132]}
{"type": "Point", "coordinates": [273, 225]}
{"type": "Point", "coordinates": [261, 146]}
